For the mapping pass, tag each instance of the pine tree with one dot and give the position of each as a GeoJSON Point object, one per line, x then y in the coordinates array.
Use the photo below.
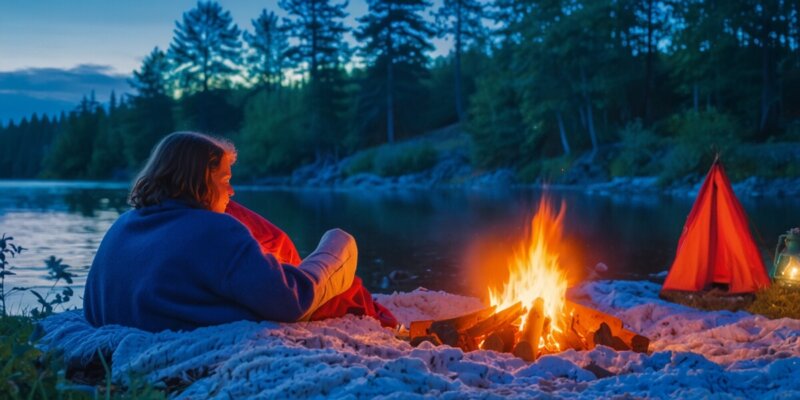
{"type": "Point", "coordinates": [268, 45]}
{"type": "Point", "coordinates": [318, 27]}
{"type": "Point", "coordinates": [206, 47]}
{"type": "Point", "coordinates": [461, 20]}
{"type": "Point", "coordinates": [150, 116]}
{"type": "Point", "coordinates": [395, 38]}
{"type": "Point", "coordinates": [152, 78]}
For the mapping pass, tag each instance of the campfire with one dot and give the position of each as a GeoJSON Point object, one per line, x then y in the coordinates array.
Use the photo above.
{"type": "Point", "coordinates": [530, 315]}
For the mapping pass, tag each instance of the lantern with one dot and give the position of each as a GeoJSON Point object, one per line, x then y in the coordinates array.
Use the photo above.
{"type": "Point", "coordinates": [786, 266]}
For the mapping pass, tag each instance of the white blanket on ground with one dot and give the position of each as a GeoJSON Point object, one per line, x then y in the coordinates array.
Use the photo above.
{"type": "Point", "coordinates": [696, 354]}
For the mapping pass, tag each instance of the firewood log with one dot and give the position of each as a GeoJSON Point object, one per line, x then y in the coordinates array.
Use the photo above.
{"type": "Point", "coordinates": [425, 327]}
{"type": "Point", "coordinates": [496, 321]}
{"type": "Point", "coordinates": [509, 335]}
{"type": "Point", "coordinates": [534, 324]}
{"type": "Point", "coordinates": [493, 342]}
{"type": "Point", "coordinates": [525, 351]}
{"type": "Point", "coordinates": [603, 336]}
{"type": "Point", "coordinates": [587, 321]}
{"type": "Point", "coordinates": [637, 343]}
{"type": "Point", "coordinates": [570, 339]}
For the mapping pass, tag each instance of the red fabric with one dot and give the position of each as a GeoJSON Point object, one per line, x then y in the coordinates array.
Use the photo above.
{"type": "Point", "coordinates": [356, 300]}
{"type": "Point", "coordinates": [716, 245]}
{"type": "Point", "coordinates": [271, 239]}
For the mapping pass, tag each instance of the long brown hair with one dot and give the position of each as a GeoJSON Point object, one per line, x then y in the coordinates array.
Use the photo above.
{"type": "Point", "coordinates": [180, 167]}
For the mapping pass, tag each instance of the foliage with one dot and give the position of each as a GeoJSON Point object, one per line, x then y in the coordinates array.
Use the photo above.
{"type": "Point", "coordinates": [72, 147]}
{"type": "Point", "coordinates": [275, 134]}
{"type": "Point", "coordinates": [320, 51]}
{"type": "Point", "coordinates": [551, 78]}
{"type": "Point", "coordinates": [56, 271]}
{"type": "Point", "coordinates": [393, 160]}
{"type": "Point", "coordinates": [395, 43]}
{"type": "Point", "coordinates": [400, 160]}
{"type": "Point", "coordinates": [151, 80]}
{"type": "Point", "coordinates": [496, 124]}
{"type": "Point", "coordinates": [696, 139]}
{"type": "Point", "coordinates": [461, 20]}
{"type": "Point", "coordinates": [639, 152]}
{"type": "Point", "coordinates": [206, 47]}
{"type": "Point", "coordinates": [362, 162]}
{"type": "Point", "coordinates": [213, 111]}
{"type": "Point", "coordinates": [7, 249]}
{"type": "Point", "coordinates": [25, 372]}
{"type": "Point", "coordinates": [267, 47]}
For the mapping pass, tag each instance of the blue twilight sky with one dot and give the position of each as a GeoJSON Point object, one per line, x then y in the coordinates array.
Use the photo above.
{"type": "Point", "coordinates": [52, 52]}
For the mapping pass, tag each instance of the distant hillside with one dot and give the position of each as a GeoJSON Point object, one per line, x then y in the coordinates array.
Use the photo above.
{"type": "Point", "coordinates": [14, 107]}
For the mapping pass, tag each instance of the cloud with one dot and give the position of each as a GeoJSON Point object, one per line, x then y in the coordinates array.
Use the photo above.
{"type": "Point", "coordinates": [63, 84]}
{"type": "Point", "coordinates": [52, 90]}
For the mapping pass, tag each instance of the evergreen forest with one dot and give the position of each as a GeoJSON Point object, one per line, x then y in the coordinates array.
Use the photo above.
{"type": "Point", "coordinates": [645, 87]}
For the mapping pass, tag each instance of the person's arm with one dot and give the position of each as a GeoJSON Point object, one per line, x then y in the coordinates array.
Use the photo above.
{"type": "Point", "coordinates": [282, 292]}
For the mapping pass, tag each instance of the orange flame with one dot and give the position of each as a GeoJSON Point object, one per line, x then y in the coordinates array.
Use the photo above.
{"type": "Point", "coordinates": [535, 272]}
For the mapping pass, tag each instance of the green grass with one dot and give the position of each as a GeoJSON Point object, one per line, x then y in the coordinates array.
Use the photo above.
{"type": "Point", "coordinates": [28, 373]}
{"type": "Point", "coordinates": [775, 302]}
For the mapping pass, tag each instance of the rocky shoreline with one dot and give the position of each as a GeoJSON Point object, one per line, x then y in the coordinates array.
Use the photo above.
{"type": "Point", "coordinates": [457, 172]}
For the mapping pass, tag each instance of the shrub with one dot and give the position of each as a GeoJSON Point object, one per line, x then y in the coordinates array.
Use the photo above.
{"type": "Point", "coordinates": [25, 372]}
{"type": "Point", "coordinates": [639, 149]}
{"type": "Point", "coordinates": [407, 159]}
{"type": "Point", "coordinates": [360, 163]}
{"type": "Point", "coordinates": [696, 138]}
{"type": "Point", "coordinates": [393, 160]}
{"type": "Point", "coordinates": [530, 172]}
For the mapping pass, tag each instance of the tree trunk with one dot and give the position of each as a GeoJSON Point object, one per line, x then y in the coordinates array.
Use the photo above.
{"type": "Point", "coordinates": [590, 123]}
{"type": "Point", "coordinates": [696, 97]}
{"type": "Point", "coordinates": [766, 74]}
{"type": "Point", "coordinates": [648, 75]}
{"type": "Point", "coordinates": [390, 83]}
{"type": "Point", "coordinates": [562, 132]}
{"type": "Point", "coordinates": [589, 114]}
{"type": "Point", "coordinates": [390, 102]}
{"type": "Point", "coordinates": [457, 65]}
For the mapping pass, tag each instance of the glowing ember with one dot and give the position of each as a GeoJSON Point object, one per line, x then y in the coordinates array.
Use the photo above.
{"type": "Point", "coordinates": [534, 273]}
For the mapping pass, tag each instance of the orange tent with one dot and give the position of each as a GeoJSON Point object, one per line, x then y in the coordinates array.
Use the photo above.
{"type": "Point", "coordinates": [716, 245]}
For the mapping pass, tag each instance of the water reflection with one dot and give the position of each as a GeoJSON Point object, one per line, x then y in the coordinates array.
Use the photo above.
{"type": "Point", "coordinates": [455, 240]}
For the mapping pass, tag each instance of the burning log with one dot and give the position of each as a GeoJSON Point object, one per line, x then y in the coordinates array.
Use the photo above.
{"type": "Point", "coordinates": [448, 327]}
{"type": "Point", "coordinates": [573, 340]}
{"type": "Point", "coordinates": [494, 342]}
{"type": "Point", "coordinates": [496, 321]}
{"type": "Point", "coordinates": [525, 351]}
{"type": "Point", "coordinates": [497, 331]}
{"type": "Point", "coordinates": [534, 324]}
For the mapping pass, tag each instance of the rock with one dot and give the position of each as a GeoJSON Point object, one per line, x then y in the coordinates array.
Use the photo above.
{"type": "Point", "coordinates": [365, 180]}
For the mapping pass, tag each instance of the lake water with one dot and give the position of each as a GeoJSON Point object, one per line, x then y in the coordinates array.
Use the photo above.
{"type": "Point", "coordinates": [456, 240]}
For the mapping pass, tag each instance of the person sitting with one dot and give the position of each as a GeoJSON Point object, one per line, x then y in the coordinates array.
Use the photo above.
{"type": "Point", "coordinates": [178, 261]}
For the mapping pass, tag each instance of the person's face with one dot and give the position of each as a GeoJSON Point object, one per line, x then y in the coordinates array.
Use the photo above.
{"type": "Point", "coordinates": [221, 179]}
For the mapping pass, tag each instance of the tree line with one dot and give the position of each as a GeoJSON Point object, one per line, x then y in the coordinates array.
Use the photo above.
{"type": "Point", "coordinates": [534, 83]}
